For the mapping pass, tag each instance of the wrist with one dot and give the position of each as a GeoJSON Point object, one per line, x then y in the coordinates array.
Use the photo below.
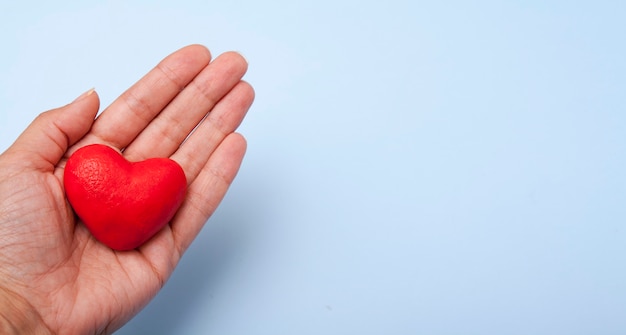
{"type": "Point", "coordinates": [17, 316]}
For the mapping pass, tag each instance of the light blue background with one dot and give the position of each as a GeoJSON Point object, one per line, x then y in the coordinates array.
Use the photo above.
{"type": "Point", "coordinates": [442, 167]}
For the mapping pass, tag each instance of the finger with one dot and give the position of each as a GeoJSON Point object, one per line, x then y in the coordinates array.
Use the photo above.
{"type": "Point", "coordinates": [207, 190]}
{"type": "Point", "coordinates": [48, 137]}
{"type": "Point", "coordinates": [129, 114]}
{"type": "Point", "coordinates": [170, 128]}
{"type": "Point", "coordinates": [222, 121]}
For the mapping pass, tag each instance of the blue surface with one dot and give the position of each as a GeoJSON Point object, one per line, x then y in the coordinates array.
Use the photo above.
{"type": "Point", "coordinates": [449, 167]}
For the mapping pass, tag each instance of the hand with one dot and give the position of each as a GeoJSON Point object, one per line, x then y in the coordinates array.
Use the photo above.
{"type": "Point", "coordinates": [54, 276]}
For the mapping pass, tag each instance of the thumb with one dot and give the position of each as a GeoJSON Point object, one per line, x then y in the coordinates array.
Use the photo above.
{"type": "Point", "coordinates": [48, 137]}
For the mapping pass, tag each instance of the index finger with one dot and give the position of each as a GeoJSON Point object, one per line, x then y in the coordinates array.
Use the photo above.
{"type": "Point", "coordinates": [129, 114]}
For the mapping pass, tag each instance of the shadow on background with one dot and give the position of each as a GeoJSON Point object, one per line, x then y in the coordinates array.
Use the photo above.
{"type": "Point", "coordinates": [216, 248]}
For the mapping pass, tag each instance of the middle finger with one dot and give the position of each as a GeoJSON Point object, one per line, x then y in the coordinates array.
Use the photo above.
{"type": "Point", "coordinates": [169, 129]}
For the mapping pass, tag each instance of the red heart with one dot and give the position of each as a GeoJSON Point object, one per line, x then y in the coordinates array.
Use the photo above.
{"type": "Point", "coordinates": [123, 204]}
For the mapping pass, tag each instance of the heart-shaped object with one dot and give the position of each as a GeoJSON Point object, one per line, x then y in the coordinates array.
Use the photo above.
{"type": "Point", "coordinates": [122, 203]}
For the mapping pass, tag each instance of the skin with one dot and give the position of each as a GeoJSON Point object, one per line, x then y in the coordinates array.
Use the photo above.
{"type": "Point", "coordinates": [54, 276]}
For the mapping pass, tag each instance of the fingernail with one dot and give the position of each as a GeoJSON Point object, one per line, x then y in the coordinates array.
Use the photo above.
{"type": "Point", "coordinates": [84, 95]}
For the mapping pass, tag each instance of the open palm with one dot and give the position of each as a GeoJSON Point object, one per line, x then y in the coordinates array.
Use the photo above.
{"type": "Point", "coordinates": [51, 269]}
